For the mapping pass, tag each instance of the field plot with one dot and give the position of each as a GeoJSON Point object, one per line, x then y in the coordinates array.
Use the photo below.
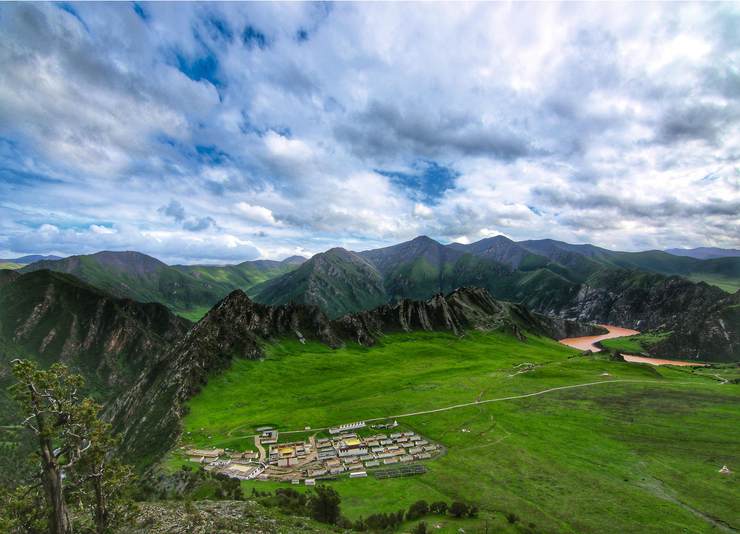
{"type": "Point", "coordinates": [632, 445]}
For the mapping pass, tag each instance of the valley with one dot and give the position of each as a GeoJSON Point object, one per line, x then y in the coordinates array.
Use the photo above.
{"type": "Point", "coordinates": [573, 443]}
{"type": "Point", "coordinates": [456, 395]}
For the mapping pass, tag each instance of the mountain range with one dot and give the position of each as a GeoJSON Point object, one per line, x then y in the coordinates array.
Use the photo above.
{"type": "Point", "coordinates": [186, 289]}
{"type": "Point", "coordinates": [113, 316]}
{"type": "Point", "coordinates": [705, 253]}
{"type": "Point", "coordinates": [693, 299]}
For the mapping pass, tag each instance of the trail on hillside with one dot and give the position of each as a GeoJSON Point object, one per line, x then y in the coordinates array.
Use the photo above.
{"type": "Point", "coordinates": [488, 401]}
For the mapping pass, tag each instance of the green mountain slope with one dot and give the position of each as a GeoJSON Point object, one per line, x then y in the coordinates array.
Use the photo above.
{"type": "Point", "coordinates": [183, 289]}
{"type": "Point", "coordinates": [53, 317]}
{"type": "Point", "coordinates": [337, 281]}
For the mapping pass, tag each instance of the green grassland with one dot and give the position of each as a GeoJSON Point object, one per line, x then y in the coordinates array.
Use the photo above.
{"type": "Point", "coordinates": [638, 456]}
{"type": "Point", "coordinates": [9, 265]}
{"type": "Point", "coordinates": [729, 284]}
{"type": "Point", "coordinates": [637, 344]}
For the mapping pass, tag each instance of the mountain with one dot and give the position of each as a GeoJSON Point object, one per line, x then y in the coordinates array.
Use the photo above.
{"type": "Point", "coordinates": [146, 279]}
{"type": "Point", "coordinates": [25, 260]}
{"type": "Point", "coordinates": [584, 282]}
{"type": "Point", "coordinates": [338, 281]}
{"type": "Point", "coordinates": [705, 253]}
{"type": "Point", "coordinates": [149, 413]}
{"type": "Point", "coordinates": [53, 317]}
{"type": "Point", "coordinates": [503, 250]}
{"type": "Point", "coordinates": [414, 269]}
{"type": "Point", "coordinates": [50, 316]}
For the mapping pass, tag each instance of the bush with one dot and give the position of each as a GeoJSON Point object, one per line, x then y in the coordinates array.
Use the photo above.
{"type": "Point", "coordinates": [417, 510]}
{"type": "Point", "coordinates": [420, 528]}
{"type": "Point", "coordinates": [512, 517]}
{"type": "Point", "coordinates": [458, 509]}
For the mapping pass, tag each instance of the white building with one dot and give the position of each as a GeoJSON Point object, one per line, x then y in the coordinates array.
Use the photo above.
{"type": "Point", "coordinates": [347, 426]}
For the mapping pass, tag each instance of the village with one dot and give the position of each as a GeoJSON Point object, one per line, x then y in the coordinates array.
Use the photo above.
{"type": "Point", "coordinates": [350, 450]}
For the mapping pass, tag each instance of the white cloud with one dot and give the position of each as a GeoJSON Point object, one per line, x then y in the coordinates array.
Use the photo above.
{"type": "Point", "coordinates": [257, 214]}
{"type": "Point", "coordinates": [633, 110]}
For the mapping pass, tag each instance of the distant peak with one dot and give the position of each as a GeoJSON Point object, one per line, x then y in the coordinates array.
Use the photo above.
{"type": "Point", "coordinates": [422, 239]}
{"type": "Point", "coordinates": [294, 260]}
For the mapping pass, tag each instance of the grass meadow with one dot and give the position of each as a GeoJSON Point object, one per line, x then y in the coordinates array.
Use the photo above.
{"type": "Point", "coordinates": [637, 456]}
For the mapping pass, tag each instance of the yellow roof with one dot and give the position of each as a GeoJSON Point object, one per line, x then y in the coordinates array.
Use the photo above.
{"type": "Point", "coordinates": [285, 450]}
{"type": "Point", "coordinates": [351, 442]}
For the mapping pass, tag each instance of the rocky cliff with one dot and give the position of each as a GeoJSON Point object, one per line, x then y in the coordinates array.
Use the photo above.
{"type": "Point", "coordinates": [52, 316]}
{"type": "Point", "coordinates": [703, 320]}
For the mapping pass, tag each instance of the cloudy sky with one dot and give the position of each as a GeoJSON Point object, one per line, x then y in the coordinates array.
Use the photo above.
{"type": "Point", "coordinates": [221, 133]}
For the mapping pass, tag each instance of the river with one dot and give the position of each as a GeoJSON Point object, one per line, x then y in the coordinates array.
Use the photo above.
{"type": "Point", "coordinates": [589, 343]}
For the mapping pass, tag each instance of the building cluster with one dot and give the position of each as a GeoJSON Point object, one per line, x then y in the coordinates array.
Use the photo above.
{"type": "Point", "coordinates": [345, 454]}
{"type": "Point", "coordinates": [242, 465]}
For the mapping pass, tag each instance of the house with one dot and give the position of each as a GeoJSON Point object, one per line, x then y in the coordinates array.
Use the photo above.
{"type": "Point", "coordinates": [348, 426]}
{"type": "Point", "coordinates": [269, 437]}
{"type": "Point", "coordinates": [407, 458]}
{"type": "Point", "coordinates": [358, 474]}
{"type": "Point", "coordinates": [310, 482]}
{"type": "Point", "coordinates": [317, 472]}
{"type": "Point", "coordinates": [205, 453]}
{"type": "Point", "coordinates": [388, 461]}
{"type": "Point", "coordinates": [374, 463]}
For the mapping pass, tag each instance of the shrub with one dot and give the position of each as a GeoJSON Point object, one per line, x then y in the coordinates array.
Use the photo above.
{"type": "Point", "coordinates": [417, 510]}
{"type": "Point", "coordinates": [458, 509]}
{"type": "Point", "coordinates": [420, 528]}
{"type": "Point", "coordinates": [512, 517]}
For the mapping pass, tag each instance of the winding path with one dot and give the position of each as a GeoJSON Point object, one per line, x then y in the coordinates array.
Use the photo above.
{"type": "Point", "coordinates": [499, 399]}
{"type": "Point", "coordinates": [583, 343]}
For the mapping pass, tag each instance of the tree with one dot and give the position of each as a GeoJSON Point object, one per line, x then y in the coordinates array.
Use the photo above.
{"type": "Point", "coordinates": [73, 448]}
{"type": "Point", "coordinates": [22, 510]}
{"type": "Point", "coordinates": [458, 509]}
{"type": "Point", "coordinates": [420, 528]}
{"type": "Point", "coordinates": [49, 400]}
{"type": "Point", "coordinates": [324, 505]}
{"type": "Point", "coordinates": [100, 480]}
{"type": "Point", "coordinates": [417, 510]}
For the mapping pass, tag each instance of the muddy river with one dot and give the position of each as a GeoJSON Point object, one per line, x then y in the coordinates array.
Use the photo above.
{"type": "Point", "coordinates": [589, 343]}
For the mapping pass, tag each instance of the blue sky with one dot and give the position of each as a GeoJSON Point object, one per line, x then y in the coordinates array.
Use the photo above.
{"type": "Point", "coordinates": [226, 132]}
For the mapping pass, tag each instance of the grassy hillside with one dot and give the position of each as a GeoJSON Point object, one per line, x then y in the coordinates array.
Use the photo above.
{"type": "Point", "coordinates": [638, 344]}
{"type": "Point", "coordinates": [337, 281]}
{"type": "Point", "coordinates": [10, 265]}
{"type": "Point", "coordinates": [187, 290]}
{"type": "Point", "coordinates": [600, 458]}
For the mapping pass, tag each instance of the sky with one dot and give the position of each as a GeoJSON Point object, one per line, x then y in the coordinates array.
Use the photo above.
{"type": "Point", "coordinates": [218, 133]}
